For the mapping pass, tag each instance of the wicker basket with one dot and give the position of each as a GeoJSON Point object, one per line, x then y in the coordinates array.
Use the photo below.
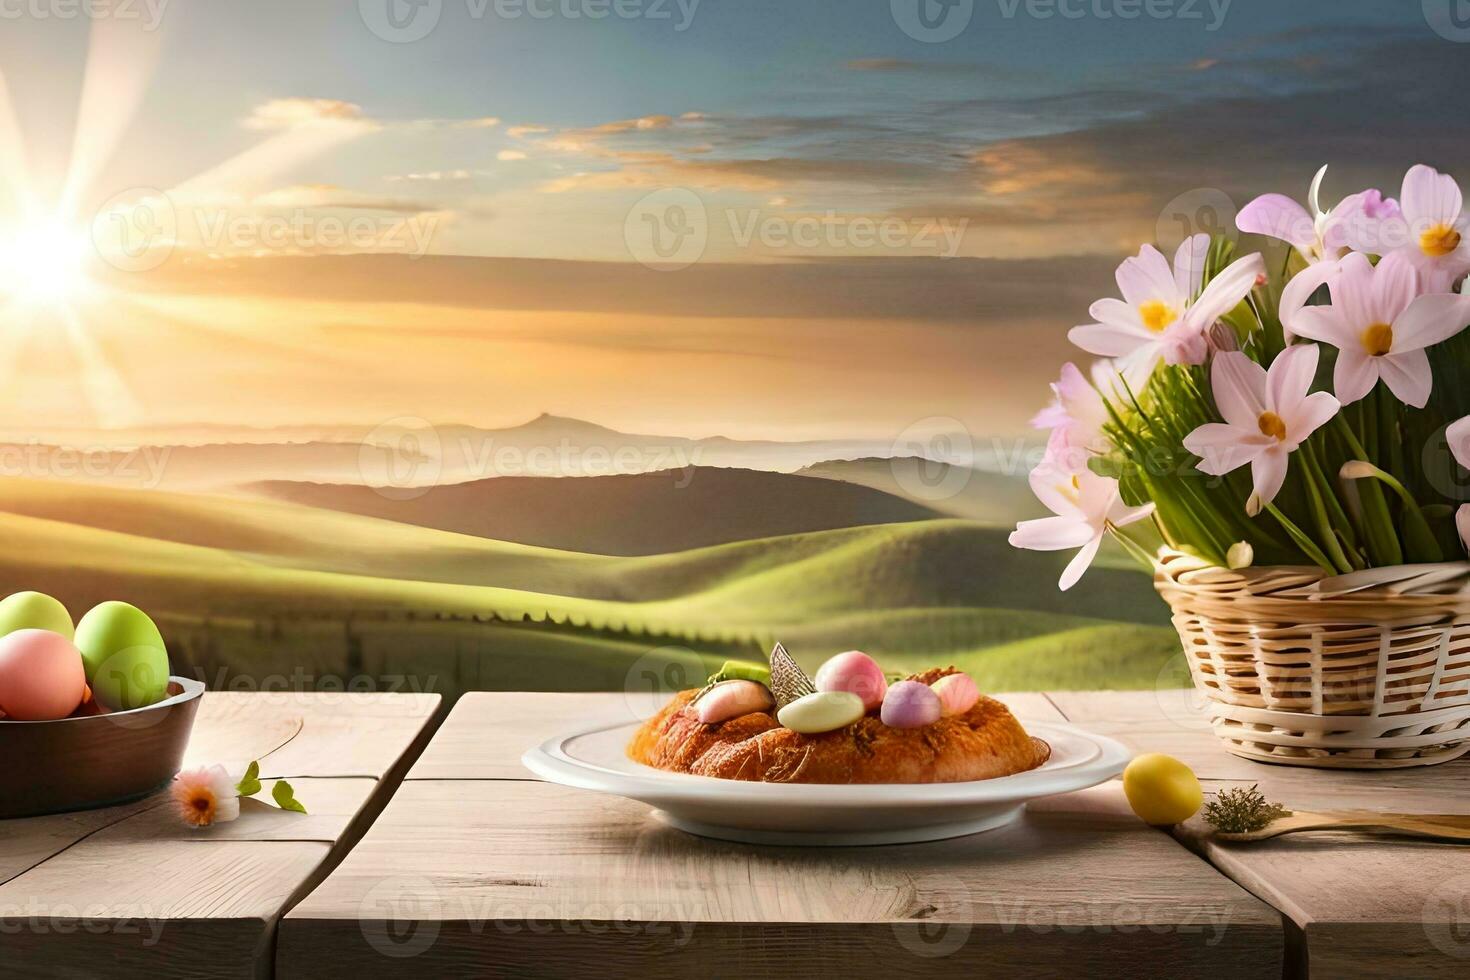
{"type": "Point", "coordinates": [1370, 679]}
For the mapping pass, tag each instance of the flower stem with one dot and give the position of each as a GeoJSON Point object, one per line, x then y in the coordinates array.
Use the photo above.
{"type": "Point", "coordinates": [1378, 527]}
{"type": "Point", "coordinates": [1302, 540]}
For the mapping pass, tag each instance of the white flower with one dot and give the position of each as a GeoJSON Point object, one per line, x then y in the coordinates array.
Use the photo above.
{"type": "Point", "coordinates": [1268, 415]}
{"type": "Point", "coordinates": [1432, 232]}
{"type": "Point", "coordinates": [1085, 505]}
{"type": "Point", "coordinates": [1381, 327]}
{"type": "Point", "coordinates": [1163, 315]}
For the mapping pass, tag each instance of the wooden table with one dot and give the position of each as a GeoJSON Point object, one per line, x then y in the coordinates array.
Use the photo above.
{"type": "Point", "coordinates": [1358, 906]}
{"type": "Point", "coordinates": [474, 867]}
{"type": "Point", "coordinates": [129, 890]}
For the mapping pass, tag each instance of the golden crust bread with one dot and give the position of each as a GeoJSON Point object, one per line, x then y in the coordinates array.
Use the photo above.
{"type": "Point", "coordinates": [984, 742]}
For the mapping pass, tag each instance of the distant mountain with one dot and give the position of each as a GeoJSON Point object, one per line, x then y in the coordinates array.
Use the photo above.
{"type": "Point", "coordinates": [399, 454]}
{"type": "Point", "coordinates": [955, 491]}
{"type": "Point", "coordinates": [643, 514]}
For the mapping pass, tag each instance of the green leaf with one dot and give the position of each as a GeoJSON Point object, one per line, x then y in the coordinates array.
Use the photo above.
{"type": "Point", "coordinates": [250, 785]}
{"type": "Point", "coordinates": [285, 797]}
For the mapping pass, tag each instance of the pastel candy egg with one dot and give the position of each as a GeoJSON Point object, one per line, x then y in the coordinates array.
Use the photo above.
{"type": "Point", "coordinates": [910, 704]}
{"type": "Point", "coordinates": [957, 694]}
{"type": "Point", "coordinates": [123, 652]}
{"type": "Point", "coordinates": [731, 699]}
{"type": "Point", "coordinates": [822, 711]}
{"type": "Point", "coordinates": [34, 611]}
{"type": "Point", "coordinates": [41, 677]}
{"type": "Point", "coordinates": [856, 673]}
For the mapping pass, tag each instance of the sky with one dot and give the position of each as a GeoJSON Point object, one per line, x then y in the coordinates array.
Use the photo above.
{"type": "Point", "coordinates": [775, 219]}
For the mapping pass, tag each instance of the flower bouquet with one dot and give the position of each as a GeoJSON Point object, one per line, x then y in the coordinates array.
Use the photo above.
{"type": "Point", "coordinates": [1285, 443]}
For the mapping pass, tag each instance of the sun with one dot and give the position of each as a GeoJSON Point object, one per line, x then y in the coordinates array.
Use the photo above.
{"type": "Point", "coordinates": [44, 263]}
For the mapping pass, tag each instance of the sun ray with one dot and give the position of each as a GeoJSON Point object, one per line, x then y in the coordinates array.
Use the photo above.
{"type": "Point", "coordinates": [121, 57]}
{"type": "Point", "coordinates": [113, 403]}
{"type": "Point", "coordinates": [14, 169]}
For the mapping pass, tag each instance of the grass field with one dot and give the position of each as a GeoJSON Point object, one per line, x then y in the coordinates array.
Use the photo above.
{"type": "Point", "coordinates": [249, 589]}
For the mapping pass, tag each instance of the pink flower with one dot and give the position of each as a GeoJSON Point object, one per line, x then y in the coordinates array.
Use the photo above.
{"type": "Point", "coordinates": [1458, 435]}
{"type": "Point", "coordinates": [1085, 505]}
{"type": "Point", "coordinates": [1077, 415]}
{"type": "Point", "coordinates": [1163, 315]}
{"type": "Point", "coordinates": [1268, 414]}
{"type": "Point", "coordinates": [205, 796]}
{"type": "Point", "coordinates": [1320, 237]}
{"type": "Point", "coordinates": [1316, 235]}
{"type": "Point", "coordinates": [1431, 232]}
{"type": "Point", "coordinates": [1381, 326]}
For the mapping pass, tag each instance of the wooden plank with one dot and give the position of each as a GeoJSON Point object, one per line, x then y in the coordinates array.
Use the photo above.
{"type": "Point", "coordinates": [309, 734]}
{"type": "Point", "coordinates": [487, 732]}
{"type": "Point", "coordinates": [1364, 905]}
{"type": "Point", "coordinates": [492, 872]}
{"type": "Point", "coordinates": [157, 908]}
{"type": "Point", "coordinates": [132, 888]}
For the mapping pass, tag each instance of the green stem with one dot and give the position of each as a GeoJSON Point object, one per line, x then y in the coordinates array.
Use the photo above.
{"type": "Point", "coordinates": [1132, 547]}
{"type": "Point", "coordinates": [1341, 526]}
{"type": "Point", "coordinates": [1302, 540]}
{"type": "Point", "coordinates": [1421, 542]}
{"type": "Point", "coordinates": [1378, 527]}
{"type": "Point", "coordinates": [1324, 525]}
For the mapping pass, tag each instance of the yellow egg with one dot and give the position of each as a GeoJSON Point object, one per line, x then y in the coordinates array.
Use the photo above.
{"type": "Point", "coordinates": [1161, 789]}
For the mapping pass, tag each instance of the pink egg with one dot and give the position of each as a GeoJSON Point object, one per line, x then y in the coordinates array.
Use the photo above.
{"type": "Point", "coordinates": [854, 672]}
{"type": "Point", "coordinates": [41, 676]}
{"type": "Point", "coordinates": [957, 693]}
{"type": "Point", "coordinates": [910, 704]}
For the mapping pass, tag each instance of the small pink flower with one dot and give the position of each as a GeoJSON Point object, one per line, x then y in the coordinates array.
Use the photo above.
{"type": "Point", "coordinates": [1164, 314]}
{"type": "Point", "coordinates": [205, 796]}
{"type": "Point", "coordinates": [1076, 416]}
{"type": "Point", "coordinates": [1320, 237]}
{"type": "Point", "coordinates": [1458, 435]}
{"type": "Point", "coordinates": [1381, 325]}
{"type": "Point", "coordinates": [1432, 231]}
{"type": "Point", "coordinates": [1268, 414]}
{"type": "Point", "coordinates": [1085, 505]}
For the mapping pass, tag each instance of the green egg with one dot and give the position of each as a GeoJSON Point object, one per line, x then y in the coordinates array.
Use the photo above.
{"type": "Point", "coordinates": [34, 611]}
{"type": "Point", "coordinates": [124, 656]}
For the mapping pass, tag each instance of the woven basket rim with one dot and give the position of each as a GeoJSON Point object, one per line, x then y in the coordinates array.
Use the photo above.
{"type": "Point", "coordinates": [1259, 586]}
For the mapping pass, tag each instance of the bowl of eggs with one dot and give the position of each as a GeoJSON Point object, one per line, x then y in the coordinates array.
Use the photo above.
{"type": "Point", "coordinates": [89, 715]}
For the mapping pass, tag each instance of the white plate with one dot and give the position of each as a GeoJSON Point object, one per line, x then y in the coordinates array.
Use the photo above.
{"type": "Point", "coordinates": [820, 814]}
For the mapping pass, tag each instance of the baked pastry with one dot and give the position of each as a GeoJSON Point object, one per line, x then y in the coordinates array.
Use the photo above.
{"type": "Point", "coordinates": [954, 739]}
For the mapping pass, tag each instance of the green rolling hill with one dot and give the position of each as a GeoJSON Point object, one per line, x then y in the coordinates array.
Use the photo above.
{"type": "Point", "coordinates": [253, 592]}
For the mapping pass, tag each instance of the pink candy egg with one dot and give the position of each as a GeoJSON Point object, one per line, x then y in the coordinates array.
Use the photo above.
{"type": "Point", "coordinates": [41, 676]}
{"type": "Point", "coordinates": [957, 694]}
{"type": "Point", "coordinates": [856, 673]}
{"type": "Point", "coordinates": [731, 699]}
{"type": "Point", "coordinates": [910, 704]}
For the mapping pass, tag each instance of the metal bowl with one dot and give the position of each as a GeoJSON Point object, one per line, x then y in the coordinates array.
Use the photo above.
{"type": "Point", "coordinates": [89, 761]}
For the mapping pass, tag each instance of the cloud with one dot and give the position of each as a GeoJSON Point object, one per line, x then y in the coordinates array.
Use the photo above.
{"type": "Point", "coordinates": [510, 155]}
{"type": "Point", "coordinates": [299, 113]}
{"type": "Point", "coordinates": [305, 196]}
{"type": "Point", "coordinates": [437, 175]}
{"type": "Point", "coordinates": [518, 132]}
{"type": "Point", "coordinates": [484, 122]}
